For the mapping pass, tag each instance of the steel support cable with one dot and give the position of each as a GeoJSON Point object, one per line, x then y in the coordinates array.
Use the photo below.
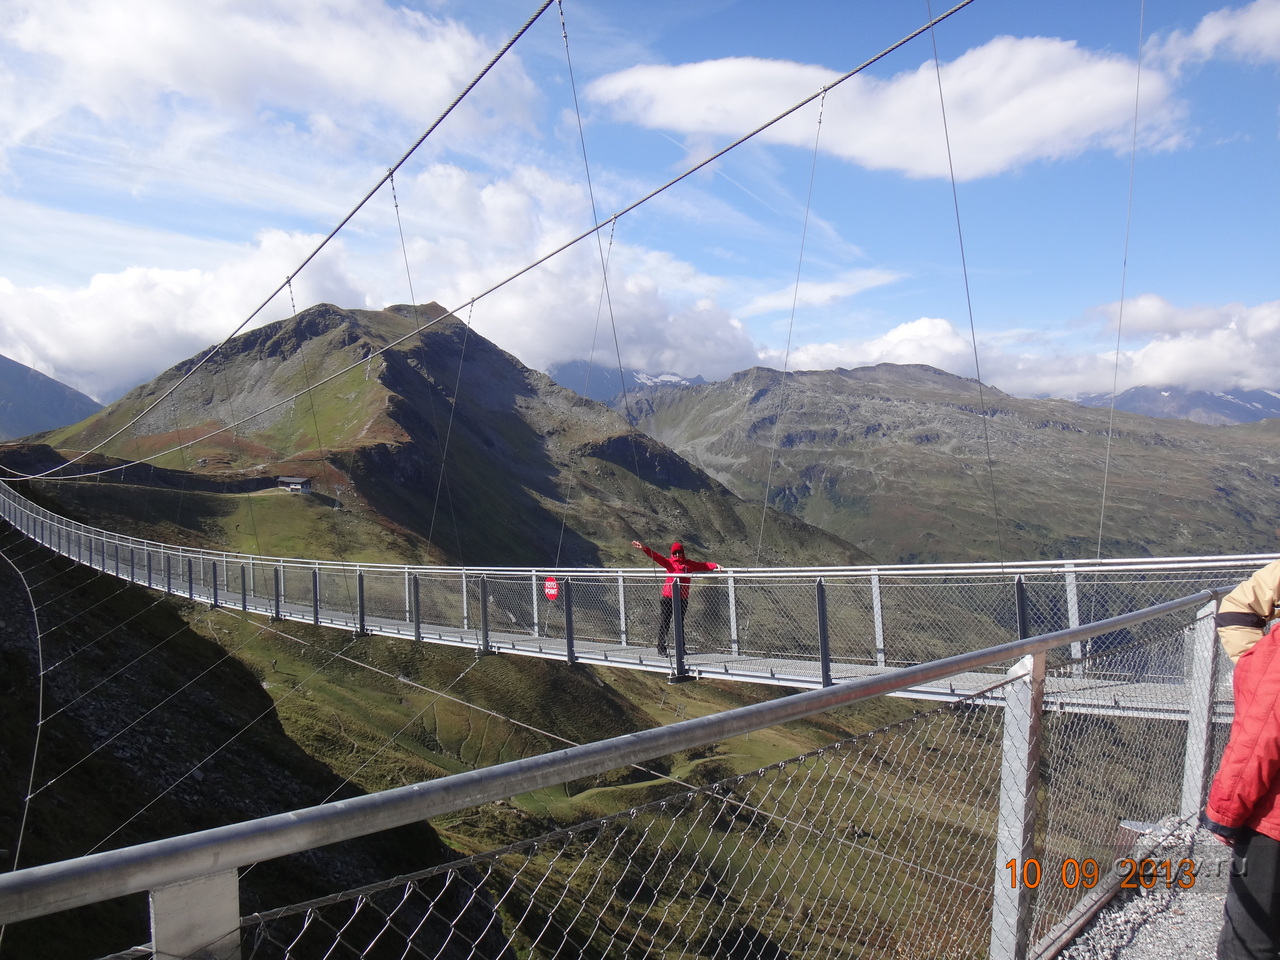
{"type": "Point", "coordinates": [441, 445]}
{"type": "Point", "coordinates": [564, 246]}
{"type": "Point", "coordinates": [315, 425]}
{"type": "Point", "coordinates": [39, 634]}
{"type": "Point", "coordinates": [440, 694]}
{"type": "Point", "coordinates": [968, 298]}
{"type": "Point", "coordinates": [441, 485]}
{"type": "Point", "coordinates": [791, 322]}
{"type": "Point", "coordinates": [40, 718]}
{"type": "Point", "coordinates": [133, 723]}
{"type": "Point", "coordinates": [39, 890]}
{"type": "Point", "coordinates": [323, 243]}
{"type": "Point", "coordinates": [1124, 274]}
{"type": "Point", "coordinates": [605, 299]}
{"type": "Point", "coordinates": [227, 655]}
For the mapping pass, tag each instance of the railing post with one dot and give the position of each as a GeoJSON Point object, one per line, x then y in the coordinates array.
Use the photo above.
{"type": "Point", "coordinates": [824, 638]}
{"type": "Point", "coordinates": [677, 618]}
{"type": "Point", "coordinates": [1015, 826]}
{"type": "Point", "coordinates": [568, 621]}
{"type": "Point", "coordinates": [360, 612]}
{"type": "Point", "coordinates": [733, 616]}
{"type": "Point", "coordinates": [533, 594]}
{"type": "Point", "coordinates": [1202, 678]}
{"type": "Point", "coordinates": [149, 577]}
{"type": "Point", "coordinates": [213, 567]}
{"type": "Point", "coordinates": [484, 614]}
{"type": "Point", "coordinates": [244, 589]}
{"type": "Point", "coordinates": [275, 577]}
{"type": "Point", "coordinates": [417, 609]}
{"type": "Point", "coordinates": [877, 613]}
{"type": "Point", "coordinates": [1020, 606]}
{"type": "Point", "coordinates": [133, 572]}
{"type": "Point", "coordinates": [197, 918]}
{"type": "Point", "coordinates": [1073, 620]}
{"type": "Point", "coordinates": [191, 579]}
{"type": "Point", "coordinates": [315, 596]}
{"type": "Point", "coordinates": [622, 610]}
{"type": "Point", "coordinates": [466, 612]}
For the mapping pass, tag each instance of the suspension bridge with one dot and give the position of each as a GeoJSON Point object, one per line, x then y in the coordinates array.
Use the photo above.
{"type": "Point", "coordinates": [846, 634]}
{"type": "Point", "coordinates": [915, 839]}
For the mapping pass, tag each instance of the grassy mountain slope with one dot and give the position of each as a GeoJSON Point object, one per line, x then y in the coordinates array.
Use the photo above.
{"type": "Point", "coordinates": [452, 447]}
{"type": "Point", "coordinates": [912, 465]}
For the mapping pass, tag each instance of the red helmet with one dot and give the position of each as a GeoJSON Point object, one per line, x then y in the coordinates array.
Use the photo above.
{"type": "Point", "coordinates": [677, 548]}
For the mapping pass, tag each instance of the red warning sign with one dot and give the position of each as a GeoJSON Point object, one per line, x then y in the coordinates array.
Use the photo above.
{"type": "Point", "coordinates": [551, 588]}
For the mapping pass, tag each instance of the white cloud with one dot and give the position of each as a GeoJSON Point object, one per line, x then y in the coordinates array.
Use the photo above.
{"type": "Point", "coordinates": [1010, 102]}
{"type": "Point", "coordinates": [1250, 33]}
{"type": "Point", "coordinates": [929, 340]}
{"type": "Point", "coordinates": [1204, 348]}
{"type": "Point", "coordinates": [123, 328]}
{"type": "Point", "coordinates": [815, 293]}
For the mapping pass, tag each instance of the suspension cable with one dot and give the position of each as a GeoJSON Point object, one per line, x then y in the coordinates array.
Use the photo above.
{"type": "Point", "coordinates": [968, 298]}
{"type": "Point", "coordinates": [213, 351]}
{"type": "Point", "coordinates": [558, 250]}
{"type": "Point", "coordinates": [1124, 276]}
{"type": "Point", "coordinates": [791, 322]}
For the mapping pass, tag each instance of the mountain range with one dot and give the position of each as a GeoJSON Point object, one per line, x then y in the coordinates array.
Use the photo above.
{"type": "Point", "coordinates": [30, 402]}
{"type": "Point", "coordinates": [442, 447]}
{"type": "Point", "coordinates": [913, 464]}
{"type": "Point", "coordinates": [1200, 406]}
{"type": "Point", "coordinates": [438, 446]}
{"type": "Point", "coordinates": [614, 385]}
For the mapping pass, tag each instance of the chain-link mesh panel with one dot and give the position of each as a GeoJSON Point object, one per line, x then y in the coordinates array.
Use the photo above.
{"type": "Point", "coordinates": [831, 851]}
{"type": "Point", "coordinates": [1108, 780]}
{"type": "Point", "coordinates": [777, 619]}
{"type": "Point", "coordinates": [926, 619]}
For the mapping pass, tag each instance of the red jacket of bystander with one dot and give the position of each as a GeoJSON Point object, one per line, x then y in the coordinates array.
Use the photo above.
{"type": "Point", "coordinates": [1246, 790]}
{"type": "Point", "coordinates": [677, 565]}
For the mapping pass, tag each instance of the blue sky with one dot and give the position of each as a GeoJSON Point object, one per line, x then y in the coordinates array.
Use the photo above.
{"type": "Point", "coordinates": [164, 166]}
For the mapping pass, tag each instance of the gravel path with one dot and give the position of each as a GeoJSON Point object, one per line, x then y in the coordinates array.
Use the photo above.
{"type": "Point", "coordinates": [1160, 924]}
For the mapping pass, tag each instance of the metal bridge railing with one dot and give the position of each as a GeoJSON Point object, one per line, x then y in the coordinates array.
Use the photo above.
{"type": "Point", "coordinates": [967, 830]}
{"type": "Point", "coordinates": [801, 626]}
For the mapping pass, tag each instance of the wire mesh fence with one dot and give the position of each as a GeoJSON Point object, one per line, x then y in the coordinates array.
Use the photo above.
{"type": "Point", "coordinates": [880, 845]}
{"type": "Point", "coordinates": [810, 856]}
{"type": "Point", "coordinates": [879, 617]}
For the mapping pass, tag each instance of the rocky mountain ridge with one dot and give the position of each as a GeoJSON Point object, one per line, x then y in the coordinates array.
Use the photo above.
{"type": "Point", "coordinates": [914, 464]}
{"type": "Point", "coordinates": [413, 421]}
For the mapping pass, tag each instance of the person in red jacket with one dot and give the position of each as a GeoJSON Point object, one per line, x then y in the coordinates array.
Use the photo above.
{"type": "Point", "coordinates": [1243, 809]}
{"type": "Point", "coordinates": [675, 564]}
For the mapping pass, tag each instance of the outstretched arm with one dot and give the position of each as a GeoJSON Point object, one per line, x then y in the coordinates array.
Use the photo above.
{"type": "Point", "coordinates": [652, 554]}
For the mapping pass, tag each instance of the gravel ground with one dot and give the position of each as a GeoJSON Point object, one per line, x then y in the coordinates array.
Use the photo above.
{"type": "Point", "coordinates": [1161, 924]}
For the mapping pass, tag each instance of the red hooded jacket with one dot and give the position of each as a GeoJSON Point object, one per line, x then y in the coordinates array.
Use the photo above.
{"type": "Point", "coordinates": [678, 565]}
{"type": "Point", "coordinates": [1246, 790]}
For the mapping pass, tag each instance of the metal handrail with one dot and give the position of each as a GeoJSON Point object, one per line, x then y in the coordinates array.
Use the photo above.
{"type": "Point", "coordinates": [41, 890]}
{"type": "Point", "coordinates": [913, 571]}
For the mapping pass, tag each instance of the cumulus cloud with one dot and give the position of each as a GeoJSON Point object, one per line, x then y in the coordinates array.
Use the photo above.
{"type": "Point", "coordinates": [123, 328]}
{"type": "Point", "coordinates": [1201, 348]}
{"type": "Point", "coordinates": [1250, 33]}
{"type": "Point", "coordinates": [929, 340]}
{"type": "Point", "coordinates": [815, 293]}
{"type": "Point", "coordinates": [1010, 102]}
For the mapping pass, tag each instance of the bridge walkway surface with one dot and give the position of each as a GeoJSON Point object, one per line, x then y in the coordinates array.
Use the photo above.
{"type": "Point", "coordinates": [1114, 693]}
{"type": "Point", "coordinates": [1163, 923]}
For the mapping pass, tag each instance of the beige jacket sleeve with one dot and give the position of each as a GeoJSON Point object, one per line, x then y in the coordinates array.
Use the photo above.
{"type": "Point", "coordinates": [1253, 600]}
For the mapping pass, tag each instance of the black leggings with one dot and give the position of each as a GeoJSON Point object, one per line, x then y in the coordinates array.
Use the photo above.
{"type": "Point", "coordinates": [664, 610]}
{"type": "Point", "coordinates": [1253, 900]}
